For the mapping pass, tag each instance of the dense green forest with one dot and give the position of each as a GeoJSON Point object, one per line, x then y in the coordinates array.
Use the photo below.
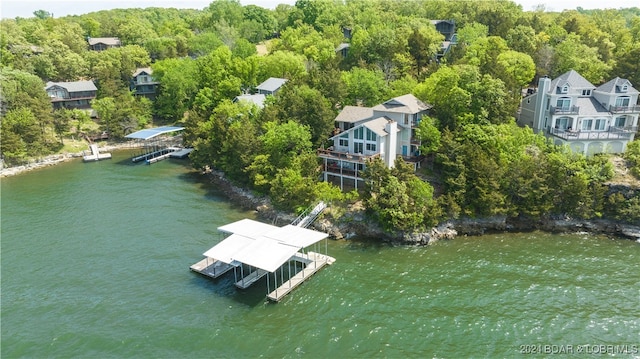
{"type": "Point", "coordinates": [478, 162]}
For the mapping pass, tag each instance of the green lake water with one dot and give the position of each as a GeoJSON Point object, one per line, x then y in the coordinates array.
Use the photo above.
{"type": "Point", "coordinates": [95, 263]}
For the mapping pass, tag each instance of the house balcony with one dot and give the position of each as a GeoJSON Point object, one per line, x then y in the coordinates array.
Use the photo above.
{"type": "Point", "coordinates": [614, 133]}
{"type": "Point", "coordinates": [624, 109]}
{"type": "Point", "coordinates": [571, 110]}
{"type": "Point", "coordinates": [345, 156]}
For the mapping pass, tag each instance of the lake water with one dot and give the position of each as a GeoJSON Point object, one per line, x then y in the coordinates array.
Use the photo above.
{"type": "Point", "coordinates": [96, 256]}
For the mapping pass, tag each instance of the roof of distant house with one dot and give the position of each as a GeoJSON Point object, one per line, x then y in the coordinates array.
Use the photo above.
{"type": "Point", "coordinates": [112, 41]}
{"type": "Point", "coordinates": [343, 46]}
{"type": "Point", "coordinates": [403, 104]}
{"type": "Point", "coordinates": [352, 114]}
{"type": "Point", "coordinates": [141, 70]}
{"type": "Point", "coordinates": [571, 77]}
{"type": "Point", "coordinates": [271, 84]}
{"type": "Point", "coordinates": [74, 86]}
{"type": "Point", "coordinates": [615, 86]}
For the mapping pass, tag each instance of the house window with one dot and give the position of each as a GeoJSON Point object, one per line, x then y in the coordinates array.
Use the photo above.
{"type": "Point", "coordinates": [620, 121]}
{"type": "Point", "coordinates": [406, 119]}
{"type": "Point", "coordinates": [564, 103]}
{"type": "Point", "coordinates": [600, 124]}
{"type": "Point", "coordinates": [625, 88]}
{"type": "Point", "coordinates": [622, 101]}
{"type": "Point", "coordinates": [357, 147]}
{"type": "Point", "coordinates": [565, 89]}
{"type": "Point", "coordinates": [371, 147]}
{"type": "Point", "coordinates": [371, 136]}
{"type": "Point", "coordinates": [586, 92]}
{"type": "Point", "coordinates": [562, 123]}
{"type": "Point", "coordinates": [586, 124]}
{"type": "Point", "coordinates": [358, 133]}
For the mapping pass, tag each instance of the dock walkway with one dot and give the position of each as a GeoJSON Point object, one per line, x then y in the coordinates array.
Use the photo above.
{"type": "Point", "coordinates": [95, 154]}
{"type": "Point", "coordinates": [316, 261]}
{"type": "Point", "coordinates": [253, 277]}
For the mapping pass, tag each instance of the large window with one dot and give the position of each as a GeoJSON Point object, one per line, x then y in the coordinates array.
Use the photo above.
{"type": "Point", "coordinates": [357, 147]}
{"type": "Point", "coordinates": [620, 121]}
{"type": "Point", "coordinates": [600, 124]}
{"type": "Point", "coordinates": [622, 101]}
{"type": "Point", "coordinates": [564, 102]}
{"type": "Point", "coordinates": [371, 147]}
{"type": "Point", "coordinates": [358, 133]}
{"type": "Point", "coordinates": [371, 136]}
{"type": "Point", "coordinates": [586, 92]}
{"type": "Point", "coordinates": [563, 123]}
{"type": "Point", "coordinates": [343, 140]}
{"type": "Point", "coordinates": [586, 124]}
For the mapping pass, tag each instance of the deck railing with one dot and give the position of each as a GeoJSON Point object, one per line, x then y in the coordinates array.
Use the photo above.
{"type": "Point", "coordinates": [570, 110]}
{"type": "Point", "coordinates": [624, 109]}
{"type": "Point", "coordinates": [614, 133]}
{"type": "Point", "coordinates": [346, 156]}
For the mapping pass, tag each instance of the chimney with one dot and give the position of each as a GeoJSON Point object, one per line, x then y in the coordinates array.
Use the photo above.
{"type": "Point", "coordinates": [390, 145]}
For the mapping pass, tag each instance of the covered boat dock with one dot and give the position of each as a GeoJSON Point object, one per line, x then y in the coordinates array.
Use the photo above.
{"type": "Point", "coordinates": [255, 250]}
{"type": "Point", "coordinates": [158, 144]}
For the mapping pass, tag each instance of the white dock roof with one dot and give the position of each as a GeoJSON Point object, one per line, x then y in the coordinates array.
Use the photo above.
{"type": "Point", "coordinates": [262, 245]}
{"type": "Point", "coordinates": [228, 248]}
{"type": "Point", "coordinates": [296, 236]}
{"type": "Point", "coordinates": [247, 227]}
{"type": "Point", "coordinates": [266, 254]}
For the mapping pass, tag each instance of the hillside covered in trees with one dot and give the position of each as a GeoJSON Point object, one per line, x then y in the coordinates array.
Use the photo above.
{"type": "Point", "coordinates": [477, 162]}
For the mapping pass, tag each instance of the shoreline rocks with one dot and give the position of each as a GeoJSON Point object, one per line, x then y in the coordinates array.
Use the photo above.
{"type": "Point", "coordinates": [55, 159]}
{"type": "Point", "coordinates": [355, 223]}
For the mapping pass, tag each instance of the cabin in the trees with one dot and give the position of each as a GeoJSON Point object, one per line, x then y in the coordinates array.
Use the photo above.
{"type": "Point", "coordinates": [103, 43]}
{"type": "Point", "coordinates": [76, 94]}
{"type": "Point", "coordinates": [385, 131]}
{"type": "Point", "coordinates": [574, 112]}
{"type": "Point", "coordinates": [271, 86]}
{"type": "Point", "coordinates": [448, 29]}
{"type": "Point", "coordinates": [143, 83]}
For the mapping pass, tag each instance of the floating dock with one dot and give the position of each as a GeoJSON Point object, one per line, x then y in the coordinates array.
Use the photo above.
{"type": "Point", "coordinates": [95, 155]}
{"type": "Point", "coordinates": [314, 262]}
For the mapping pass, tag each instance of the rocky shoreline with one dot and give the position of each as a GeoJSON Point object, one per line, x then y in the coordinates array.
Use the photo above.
{"type": "Point", "coordinates": [55, 159]}
{"type": "Point", "coordinates": [355, 223]}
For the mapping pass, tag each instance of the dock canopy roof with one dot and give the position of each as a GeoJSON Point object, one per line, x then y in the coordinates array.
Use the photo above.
{"type": "Point", "coordinates": [262, 245]}
{"type": "Point", "coordinates": [153, 132]}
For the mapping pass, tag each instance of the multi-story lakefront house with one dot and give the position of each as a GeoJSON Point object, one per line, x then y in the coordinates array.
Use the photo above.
{"type": "Point", "coordinates": [143, 83]}
{"type": "Point", "coordinates": [574, 112]}
{"type": "Point", "coordinates": [76, 94]}
{"type": "Point", "coordinates": [362, 133]}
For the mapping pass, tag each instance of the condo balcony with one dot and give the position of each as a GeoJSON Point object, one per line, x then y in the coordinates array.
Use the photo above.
{"type": "Point", "coordinates": [614, 133]}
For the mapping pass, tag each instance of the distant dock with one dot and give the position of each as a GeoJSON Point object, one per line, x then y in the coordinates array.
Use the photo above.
{"type": "Point", "coordinates": [96, 155]}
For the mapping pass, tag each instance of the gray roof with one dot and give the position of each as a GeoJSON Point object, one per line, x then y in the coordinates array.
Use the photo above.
{"type": "Point", "coordinates": [112, 41]}
{"type": "Point", "coordinates": [141, 70]}
{"type": "Point", "coordinates": [615, 86]}
{"type": "Point", "coordinates": [403, 104]}
{"type": "Point", "coordinates": [574, 79]}
{"type": "Point", "coordinates": [257, 99]}
{"type": "Point", "coordinates": [272, 84]}
{"type": "Point", "coordinates": [590, 107]}
{"type": "Point", "coordinates": [353, 114]}
{"type": "Point", "coordinates": [377, 125]}
{"type": "Point", "coordinates": [75, 86]}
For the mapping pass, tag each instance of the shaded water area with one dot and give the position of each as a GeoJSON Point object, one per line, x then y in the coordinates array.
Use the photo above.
{"type": "Point", "coordinates": [95, 260]}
